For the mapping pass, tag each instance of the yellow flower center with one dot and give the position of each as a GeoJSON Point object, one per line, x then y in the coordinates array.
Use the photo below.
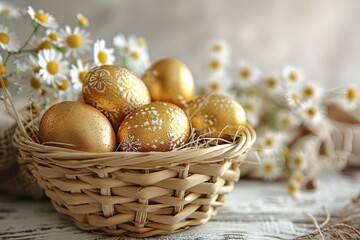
{"type": "Point", "coordinates": [102, 57]}
{"type": "Point", "coordinates": [36, 69]}
{"type": "Point", "coordinates": [245, 73]}
{"type": "Point", "coordinates": [352, 94]}
{"type": "Point", "coordinates": [249, 107]}
{"type": "Point", "coordinates": [41, 17]}
{"type": "Point", "coordinates": [292, 188]}
{"type": "Point", "coordinates": [83, 21]}
{"type": "Point", "coordinates": [53, 36]}
{"type": "Point", "coordinates": [269, 142]}
{"type": "Point", "coordinates": [268, 167]}
{"type": "Point", "coordinates": [53, 67]}
{"type": "Point", "coordinates": [126, 48]}
{"type": "Point", "coordinates": [298, 161]}
{"type": "Point", "coordinates": [5, 81]}
{"type": "Point", "coordinates": [294, 76]}
{"type": "Point", "coordinates": [63, 85]}
{"type": "Point", "coordinates": [3, 69]}
{"type": "Point", "coordinates": [4, 38]}
{"type": "Point", "coordinates": [287, 121]}
{"type": "Point", "coordinates": [214, 86]}
{"type": "Point", "coordinates": [141, 42]}
{"type": "Point", "coordinates": [135, 55]}
{"type": "Point", "coordinates": [309, 91]}
{"type": "Point", "coordinates": [298, 177]}
{"type": "Point", "coordinates": [271, 82]}
{"type": "Point", "coordinates": [82, 75]}
{"type": "Point", "coordinates": [44, 45]}
{"type": "Point", "coordinates": [74, 41]}
{"type": "Point", "coordinates": [35, 83]}
{"type": "Point", "coordinates": [5, 11]}
{"type": "Point", "coordinates": [311, 111]}
{"type": "Point", "coordinates": [215, 64]}
{"type": "Point", "coordinates": [218, 47]}
{"type": "Point", "coordinates": [251, 91]}
{"type": "Point", "coordinates": [295, 98]}
{"type": "Point", "coordinates": [43, 92]}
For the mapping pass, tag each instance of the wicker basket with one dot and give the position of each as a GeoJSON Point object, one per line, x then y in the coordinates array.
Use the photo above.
{"type": "Point", "coordinates": [15, 179]}
{"type": "Point", "coordinates": [133, 193]}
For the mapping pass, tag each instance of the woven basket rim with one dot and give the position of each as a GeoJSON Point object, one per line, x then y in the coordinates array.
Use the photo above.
{"type": "Point", "coordinates": [70, 158]}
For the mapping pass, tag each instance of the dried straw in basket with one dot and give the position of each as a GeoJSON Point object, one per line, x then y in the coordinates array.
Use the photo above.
{"type": "Point", "coordinates": [134, 193]}
{"type": "Point", "coordinates": [7, 151]}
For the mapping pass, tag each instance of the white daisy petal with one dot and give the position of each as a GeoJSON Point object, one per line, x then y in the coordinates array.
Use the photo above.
{"type": "Point", "coordinates": [8, 40]}
{"type": "Point", "coordinates": [103, 55]}
{"type": "Point", "coordinates": [44, 19]}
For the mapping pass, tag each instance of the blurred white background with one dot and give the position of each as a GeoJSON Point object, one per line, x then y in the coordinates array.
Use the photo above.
{"type": "Point", "coordinates": [321, 37]}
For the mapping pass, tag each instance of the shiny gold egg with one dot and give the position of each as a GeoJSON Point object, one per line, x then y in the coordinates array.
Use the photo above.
{"type": "Point", "coordinates": [114, 91]}
{"type": "Point", "coordinates": [215, 115]}
{"type": "Point", "coordinates": [77, 126]}
{"type": "Point", "coordinates": [170, 80]}
{"type": "Point", "coordinates": [157, 126]}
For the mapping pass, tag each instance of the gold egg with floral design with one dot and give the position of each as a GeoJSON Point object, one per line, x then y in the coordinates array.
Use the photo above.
{"type": "Point", "coordinates": [157, 126]}
{"type": "Point", "coordinates": [114, 91]}
{"type": "Point", "coordinates": [215, 115]}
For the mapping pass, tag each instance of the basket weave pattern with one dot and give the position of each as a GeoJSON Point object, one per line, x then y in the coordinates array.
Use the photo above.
{"type": "Point", "coordinates": [7, 150]}
{"type": "Point", "coordinates": [133, 193]}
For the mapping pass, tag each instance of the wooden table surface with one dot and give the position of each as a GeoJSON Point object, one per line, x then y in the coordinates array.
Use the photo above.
{"type": "Point", "coordinates": [254, 210]}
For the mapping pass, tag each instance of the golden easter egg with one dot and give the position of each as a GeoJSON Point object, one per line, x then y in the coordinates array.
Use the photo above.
{"type": "Point", "coordinates": [114, 91]}
{"type": "Point", "coordinates": [170, 80]}
{"type": "Point", "coordinates": [215, 115]}
{"type": "Point", "coordinates": [157, 126]}
{"type": "Point", "coordinates": [77, 126]}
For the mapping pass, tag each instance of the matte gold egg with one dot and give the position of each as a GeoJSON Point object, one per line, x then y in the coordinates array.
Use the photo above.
{"type": "Point", "coordinates": [77, 125]}
{"type": "Point", "coordinates": [216, 115]}
{"type": "Point", "coordinates": [114, 91]}
{"type": "Point", "coordinates": [170, 80]}
{"type": "Point", "coordinates": [157, 126]}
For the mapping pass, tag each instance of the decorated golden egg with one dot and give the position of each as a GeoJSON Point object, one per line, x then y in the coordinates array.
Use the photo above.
{"type": "Point", "coordinates": [77, 126]}
{"type": "Point", "coordinates": [157, 126]}
{"type": "Point", "coordinates": [114, 91]}
{"type": "Point", "coordinates": [170, 80]}
{"type": "Point", "coordinates": [215, 115]}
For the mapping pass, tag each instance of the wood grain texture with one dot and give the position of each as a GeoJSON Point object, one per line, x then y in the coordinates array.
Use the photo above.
{"type": "Point", "coordinates": [254, 210]}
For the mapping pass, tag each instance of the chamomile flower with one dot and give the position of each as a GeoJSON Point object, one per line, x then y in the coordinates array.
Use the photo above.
{"type": "Point", "coordinates": [298, 161]}
{"type": "Point", "coordinates": [82, 20]}
{"type": "Point", "coordinates": [103, 55]}
{"type": "Point", "coordinates": [270, 168]}
{"type": "Point", "coordinates": [28, 64]}
{"type": "Point", "coordinates": [3, 68]}
{"type": "Point", "coordinates": [52, 35]}
{"type": "Point", "coordinates": [78, 73]}
{"type": "Point", "coordinates": [121, 43]}
{"type": "Point", "coordinates": [252, 109]}
{"type": "Point", "coordinates": [10, 84]}
{"type": "Point", "coordinates": [351, 97]}
{"type": "Point", "coordinates": [137, 42]}
{"type": "Point", "coordinates": [138, 61]}
{"type": "Point", "coordinates": [219, 85]}
{"type": "Point", "coordinates": [9, 11]}
{"type": "Point", "coordinates": [311, 92]}
{"type": "Point", "coordinates": [40, 43]}
{"type": "Point", "coordinates": [293, 187]}
{"type": "Point", "coordinates": [53, 67]}
{"type": "Point", "coordinates": [297, 177]}
{"type": "Point", "coordinates": [247, 75]}
{"type": "Point", "coordinates": [216, 65]}
{"type": "Point", "coordinates": [8, 40]}
{"type": "Point", "coordinates": [293, 98]}
{"type": "Point", "coordinates": [292, 76]}
{"type": "Point", "coordinates": [44, 19]}
{"type": "Point", "coordinates": [272, 84]}
{"type": "Point", "coordinates": [77, 41]}
{"type": "Point", "coordinates": [287, 120]}
{"type": "Point", "coordinates": [270, 140]}
{"type": "Point", "coordinates": [221, 48]}
{"type": "Point", "coordinates": [311, 112]}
